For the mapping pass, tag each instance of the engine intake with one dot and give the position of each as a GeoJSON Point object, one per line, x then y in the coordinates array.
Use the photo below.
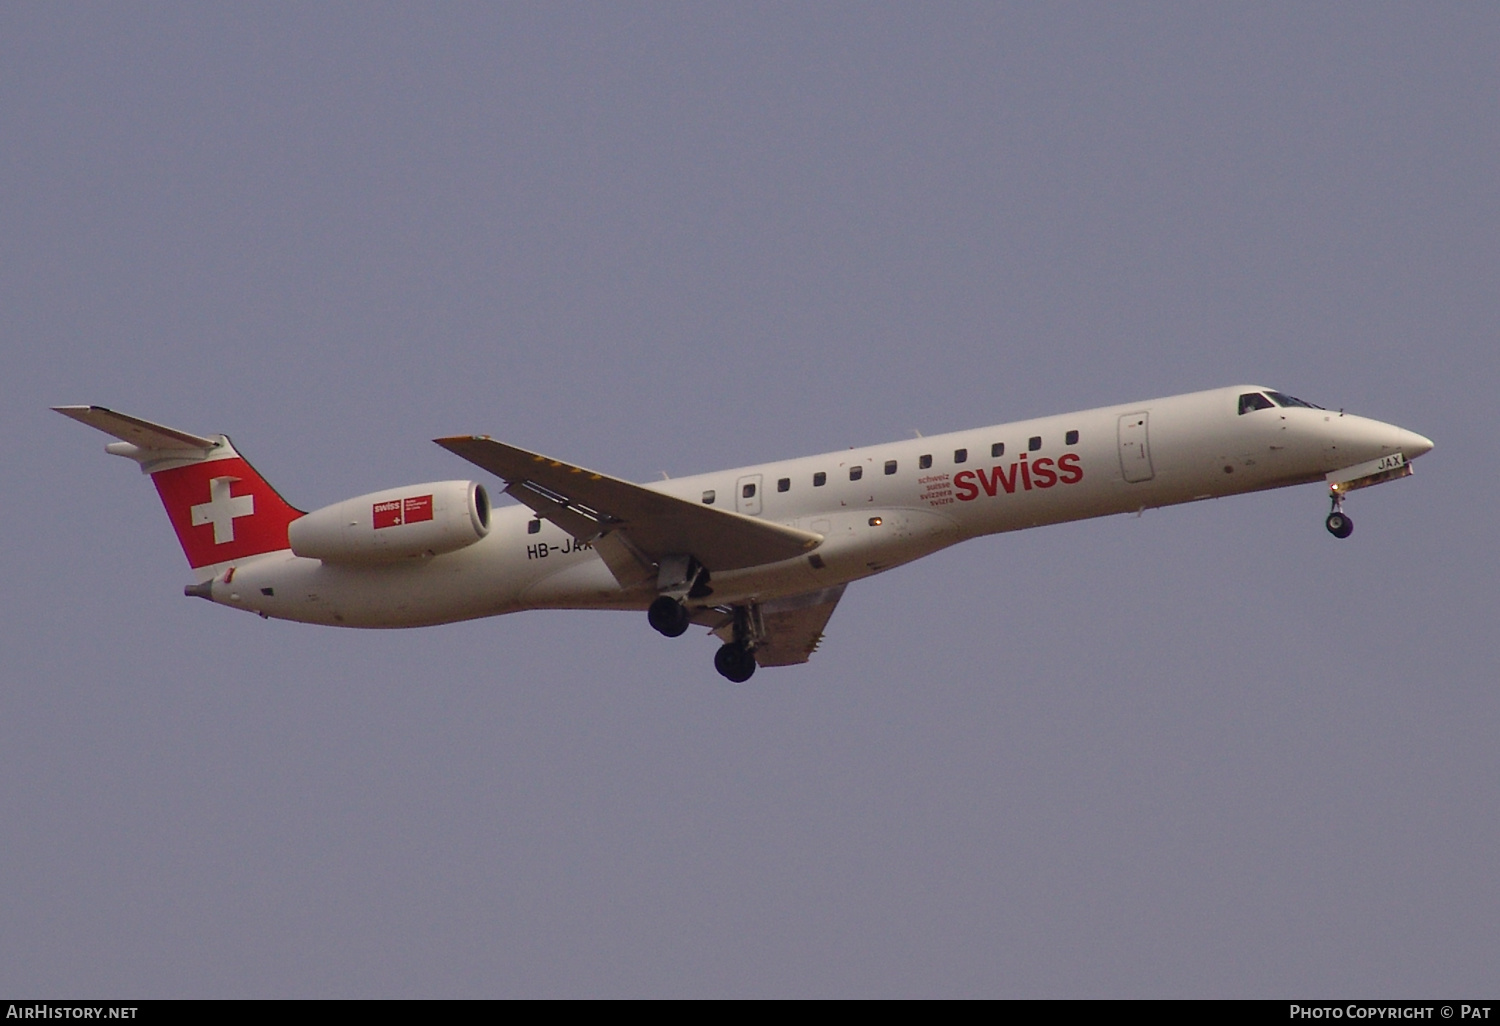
{"type": "Point", "coordinates": [398, 523]}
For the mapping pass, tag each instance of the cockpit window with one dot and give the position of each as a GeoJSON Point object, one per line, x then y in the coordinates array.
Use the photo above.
{"type": "Point", "coordinates": [1252, 401]}
{"type": "Point", "coordinates": [1283, 399]}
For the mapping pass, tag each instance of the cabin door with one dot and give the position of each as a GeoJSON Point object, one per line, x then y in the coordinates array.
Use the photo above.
{"type": "Point", "coordinates": [1135, 447]}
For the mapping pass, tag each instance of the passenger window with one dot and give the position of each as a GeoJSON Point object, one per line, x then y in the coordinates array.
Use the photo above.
{"type": "Point", "coordinates": [855, 473]}
{"type": "Point", "coordinates": [1072, 438]}
{"type": "Point", "coordinates": [748, 492]}
{"type": "Point", "coordinates": [998, 449]}
{"type": "Point", "coordinates": [925, 462]}
{"type": "Point", "coordinates": [708, 497]}
{"type": "Point", "coordinates": [960, 455]}
{"type": "Point", "coordinates": [784, 485]}
{"type": "Point", "coordinates": [820, 479]}
{"type": "Point", "coordinates": [890, 466]}
{"type": "Point", "coordinates": [1035, 443]}
{"type": "Point", "coordinates": [1252, 401]}
{"type": "Point", "coordinates": [534, 527]}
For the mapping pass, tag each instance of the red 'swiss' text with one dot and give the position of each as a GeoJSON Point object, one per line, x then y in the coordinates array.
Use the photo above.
{"type": "Point", "coordinates": [1023, 474]}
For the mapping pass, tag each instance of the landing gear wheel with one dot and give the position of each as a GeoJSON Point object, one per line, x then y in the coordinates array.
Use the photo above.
{"type": "Point", "coordinates": [1339, 525]}
{"type": "Point", "coordinates": [735, 662]}
{"type": "Point", "coordinates": [668, 616]}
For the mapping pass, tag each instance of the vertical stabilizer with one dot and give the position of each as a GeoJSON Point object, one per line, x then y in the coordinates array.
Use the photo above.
{"type": "Point", "coordinates": [221, 508]}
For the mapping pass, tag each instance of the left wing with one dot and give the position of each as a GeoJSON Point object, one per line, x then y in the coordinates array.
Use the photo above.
{"type": "Point", "coordinates": [627, 522]}
{"type": "Point", "coordinates": [792, 626]}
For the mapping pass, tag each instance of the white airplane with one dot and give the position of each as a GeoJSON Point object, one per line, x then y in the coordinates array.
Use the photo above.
{"type": "Point", "coordinates": [759, 555]}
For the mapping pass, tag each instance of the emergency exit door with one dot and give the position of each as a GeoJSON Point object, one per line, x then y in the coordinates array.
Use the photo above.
{"type": "Point", "coordinates": [747, 495]}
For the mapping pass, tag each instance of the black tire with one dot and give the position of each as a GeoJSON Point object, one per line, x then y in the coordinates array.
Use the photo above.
{"type": "Point", "coordinates": [735, 662]}
{"type": "Point", "coordinates": [668, 616]}
{"type": "Point", "coordinates": [1339, 525]}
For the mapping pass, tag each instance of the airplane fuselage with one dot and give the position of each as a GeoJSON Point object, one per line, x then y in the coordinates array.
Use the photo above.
{"type": "Point", "coordinates": [875, 507]}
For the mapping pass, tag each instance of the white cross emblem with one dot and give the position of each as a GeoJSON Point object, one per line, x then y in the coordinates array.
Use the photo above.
{"type": "Point", "coordinates": [221, 509]}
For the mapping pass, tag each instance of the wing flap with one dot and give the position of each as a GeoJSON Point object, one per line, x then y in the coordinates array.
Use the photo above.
{"type": "Point", "coordinates": [793, 626]}
{"type": "Point", "coordinates": [626, 563]}
{"type": "Point", "coordinates": [592, 506]}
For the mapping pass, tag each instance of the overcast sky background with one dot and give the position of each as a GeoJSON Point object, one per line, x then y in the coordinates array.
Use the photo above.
{"type": "Point", "coordinates": [1210, 751]}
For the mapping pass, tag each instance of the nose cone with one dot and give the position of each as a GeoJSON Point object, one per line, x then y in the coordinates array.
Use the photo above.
{"type": "Point", "coordinates": [1414, 445]}
{"type": "Point", "coordinates": [1357, 439]}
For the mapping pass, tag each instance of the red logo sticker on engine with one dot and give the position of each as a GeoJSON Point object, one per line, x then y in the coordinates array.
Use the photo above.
{"type": "Point", "coordinates": [395, 512]}
{"type": "Point", "coordinates": [387, 514]}
{"type": "Point", "coordinates": [417, 509]}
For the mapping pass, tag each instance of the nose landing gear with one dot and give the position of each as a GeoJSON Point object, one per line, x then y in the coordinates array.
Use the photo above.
{"type": "Point", "coordinates": [1338, 523]}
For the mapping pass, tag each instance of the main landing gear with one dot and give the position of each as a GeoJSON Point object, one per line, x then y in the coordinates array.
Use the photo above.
{"type": "Point", "coordinates": [735, 662]}
{"type": "Point", "coordinates": [678, 578]}
{"type": "Point", "coordinates": [735, 659]}
{"type": "Point", "coordinates": [668, 616]}
{"type": "Point", "coordinates": [1338, 523]}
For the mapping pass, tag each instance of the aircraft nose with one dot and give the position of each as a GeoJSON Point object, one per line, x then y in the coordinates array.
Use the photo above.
{"type": "Point", "coordinates": [1414, 445]}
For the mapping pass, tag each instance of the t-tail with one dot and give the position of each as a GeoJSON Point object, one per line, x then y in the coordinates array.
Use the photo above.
{"type": "Point", "coordinates": [222, 510]}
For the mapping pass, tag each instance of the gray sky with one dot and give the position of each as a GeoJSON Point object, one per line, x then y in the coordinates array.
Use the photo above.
{"type": "Point", "coordinates": [1206, 752]}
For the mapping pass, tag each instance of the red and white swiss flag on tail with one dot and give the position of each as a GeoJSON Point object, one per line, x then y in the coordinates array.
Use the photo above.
{"type": "Point", "coordinates": [223, 510]}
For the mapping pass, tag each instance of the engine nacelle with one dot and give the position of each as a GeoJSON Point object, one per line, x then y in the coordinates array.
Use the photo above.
{"type": "Point", "coordinates": [398, 523]}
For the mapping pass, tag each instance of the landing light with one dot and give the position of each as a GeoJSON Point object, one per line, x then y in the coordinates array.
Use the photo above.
{"type": "Point", "coordinates": [876, 521]}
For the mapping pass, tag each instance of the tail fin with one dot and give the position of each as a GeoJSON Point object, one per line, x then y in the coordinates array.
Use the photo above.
{"type": "Point", "coordinates": [221, 509]}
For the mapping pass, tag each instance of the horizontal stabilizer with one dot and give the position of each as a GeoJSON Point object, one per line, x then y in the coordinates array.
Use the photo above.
{"type": "Point", "coordinates": [137, 432]}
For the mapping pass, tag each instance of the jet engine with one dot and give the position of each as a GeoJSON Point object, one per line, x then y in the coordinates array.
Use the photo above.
{"type": "Point", "coordinates": [398, 523]}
